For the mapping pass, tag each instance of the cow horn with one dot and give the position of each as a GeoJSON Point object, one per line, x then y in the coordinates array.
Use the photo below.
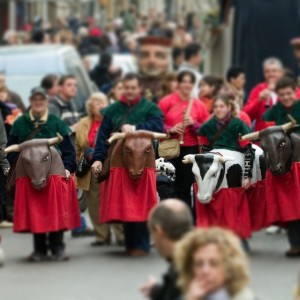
{"type": "Point", "coordinates": [287, 126]}
{"type": "Point", "coordinates": [56, 140]}
{"type": "Point", "coordinates": [158, 136]}
{"type": "Point", "coordinates": [250, 136]}
{"type": "Point", "coordinates": [223, 159]}
{"type": "Point", "coordinates": [188, 159]}
{"type": "Point", "coordinates": [116, 136]}
{"type": "Point", "coordinates": [12, 148]}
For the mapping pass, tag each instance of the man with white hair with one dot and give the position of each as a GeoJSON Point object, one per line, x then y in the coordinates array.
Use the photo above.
{"type": "Point", "coordinates": [263, 96]}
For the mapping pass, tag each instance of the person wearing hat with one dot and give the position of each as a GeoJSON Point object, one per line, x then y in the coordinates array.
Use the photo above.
{"type": "Point", "coordinates": [38, 123]}
{"type": "Point", "coordinates": [154, 62]}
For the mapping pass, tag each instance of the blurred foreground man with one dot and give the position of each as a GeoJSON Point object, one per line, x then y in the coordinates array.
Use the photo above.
{"type": "Point", "coordinates": [169, 222]}
{"type": "Point", "coordinates": [121, 199]}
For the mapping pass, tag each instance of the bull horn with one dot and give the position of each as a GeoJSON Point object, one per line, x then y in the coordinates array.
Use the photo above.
{"type": "Point", "coordinates": [116, 136]}
{"type": "Point", "coordinates": [12, 148]}
{"type": "Point", "coordinates": [158, 136]}
{"type": "Point", "coordinates": [56, 140]}
{"type": "Point", "coordinates": [250, 136]}
{"type": "Point", "coordinates": [223, 159]}
{"type": "Point", "coordinates": [288, 126]}
{"type": "Point", "coordinates": [290, 117]}
{"type": "Point", "coordinates": [188, 159]}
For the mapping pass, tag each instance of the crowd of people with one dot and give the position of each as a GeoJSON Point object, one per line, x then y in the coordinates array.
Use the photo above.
{"type": "Point", "coordinates": [127, 194]}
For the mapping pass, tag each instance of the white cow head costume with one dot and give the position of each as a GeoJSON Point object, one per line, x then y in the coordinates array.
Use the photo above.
{"type": "Point", "coordinates": [222, 168]}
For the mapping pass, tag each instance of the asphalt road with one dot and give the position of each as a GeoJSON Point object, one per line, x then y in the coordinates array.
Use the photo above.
{"type": "Point", "coordinates": [106, 274]}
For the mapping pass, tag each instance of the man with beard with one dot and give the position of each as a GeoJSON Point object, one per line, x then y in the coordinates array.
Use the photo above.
{"type": "Point", "coordinates": [154, 61]}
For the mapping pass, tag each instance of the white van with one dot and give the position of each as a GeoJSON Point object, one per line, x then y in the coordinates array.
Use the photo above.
{"type": "Point", "coordinates": [25, 66]}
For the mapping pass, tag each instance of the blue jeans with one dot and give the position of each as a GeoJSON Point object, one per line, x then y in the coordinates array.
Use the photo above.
{"type": "Point", "coordinates": [137, 236]}
{"type": "Point", "coordinates": [83, 226]}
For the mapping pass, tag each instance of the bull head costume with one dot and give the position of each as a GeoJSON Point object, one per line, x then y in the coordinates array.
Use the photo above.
{"type": "Point", "coordinates": [38, 160]}
{"type": "Point", "coordinates": [280, 144]}
{"type": "Point", "coordinates": [135, 151]}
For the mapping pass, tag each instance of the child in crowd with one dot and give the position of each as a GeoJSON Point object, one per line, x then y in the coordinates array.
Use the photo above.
{"type": "Point", "coordinates": [209, 88]}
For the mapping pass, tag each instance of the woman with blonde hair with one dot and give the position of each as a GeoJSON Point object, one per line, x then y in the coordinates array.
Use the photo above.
{"type": "Point", "coordinates": [211, 265]}
{"type": "Point", "coordinates": [85, 141]}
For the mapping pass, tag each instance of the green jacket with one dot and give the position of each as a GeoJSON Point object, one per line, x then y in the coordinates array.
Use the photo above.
{"type": "Point", "coordinates": [278, 113]}
{"type": "Point", "coordinates": [23, 127]}
{"type": "Point", "coordinates": [229, 138]}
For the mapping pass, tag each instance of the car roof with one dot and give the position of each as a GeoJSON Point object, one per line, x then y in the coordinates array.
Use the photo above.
{"type": "Point", "coordinates": [33, 59]}
{"type": "Point", "coordinates": [29, 49]}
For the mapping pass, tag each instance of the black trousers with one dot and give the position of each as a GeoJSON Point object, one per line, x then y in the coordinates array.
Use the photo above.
{"type": "Point", "coordinates": [52, 241]}
{"type": "Point", "coordinates": [184, 176]}
{"type": "Point", "coordinates": [294, 233]}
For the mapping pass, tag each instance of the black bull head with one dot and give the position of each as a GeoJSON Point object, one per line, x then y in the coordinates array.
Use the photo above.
{"type": "Point", "coordinates": [38, 160]}
{"type": "Point", "coordinates": [281, 146]}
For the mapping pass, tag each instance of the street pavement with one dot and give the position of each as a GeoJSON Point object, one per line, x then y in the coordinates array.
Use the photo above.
{"type": "Point", "coordinates": [105, 273]}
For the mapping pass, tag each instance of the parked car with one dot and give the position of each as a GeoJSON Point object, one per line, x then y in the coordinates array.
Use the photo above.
{"type": "Point", "coordinates": [126, 62]}
{"type": "Point", "coordinates": [25, 66]}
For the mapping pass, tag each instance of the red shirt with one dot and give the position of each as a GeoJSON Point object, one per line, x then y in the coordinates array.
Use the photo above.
{"type": "Point", "coordinates": [174, 108]}
{"type": "Point", "coordinates": [208, 102]}
{"type": "Point", "coordinates": [256, 108]}
{"type": "Point", "coordinates": [93, 133]}
{"type": "Point", "coordinates": [245, 118]}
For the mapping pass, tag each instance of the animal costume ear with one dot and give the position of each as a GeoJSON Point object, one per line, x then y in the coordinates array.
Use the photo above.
{"type": "Point", "coordinates": [223, 159]}
{"type": "Point", "coordinates": [189, 159]}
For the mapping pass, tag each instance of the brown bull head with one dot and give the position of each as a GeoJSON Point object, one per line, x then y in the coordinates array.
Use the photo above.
{"type": "Point", "coordinates": [137, 150]}
{"type": "Point", "coordinates": [35, 159]}
{"type": "Point", "coordinates": [277, 146]}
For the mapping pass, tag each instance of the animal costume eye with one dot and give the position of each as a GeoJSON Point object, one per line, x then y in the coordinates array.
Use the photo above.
{"type": "Point", "coordinates": [282, 144]}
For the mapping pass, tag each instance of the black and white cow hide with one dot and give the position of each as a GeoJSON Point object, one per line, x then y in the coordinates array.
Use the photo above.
{"type": "Point", "coordinates": [221, 168]}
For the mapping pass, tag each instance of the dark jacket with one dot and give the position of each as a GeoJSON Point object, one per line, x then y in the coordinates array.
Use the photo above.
{"type": "Point", "coordinates": [100, 74]}
{"type": "Point", "coordinates": [168, 289]}
{"type": "Point", "coordinates": [16, 99]}
{"type": "Point", "coordinates": [66, 111]}
{"type": "Point", "coordinates": [3, 140]}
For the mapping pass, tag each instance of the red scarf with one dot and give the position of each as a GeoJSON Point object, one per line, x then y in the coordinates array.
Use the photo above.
{"type": "Point", "coordinates": [130, 103]}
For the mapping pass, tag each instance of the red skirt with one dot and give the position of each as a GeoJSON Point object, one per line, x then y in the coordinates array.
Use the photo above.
{"type": "Point", "coordinates": [256, 195]}
{"type": "Point", "coordinates": [228, 209]}
{"type": "Point", "coordinates": [283, 196]}
{"type": "Point", "coordinates": [125, 200]}
{"type": "Point", "coordinates": [51, 209]}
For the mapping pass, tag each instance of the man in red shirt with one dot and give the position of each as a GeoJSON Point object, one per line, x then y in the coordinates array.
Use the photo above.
{"type": "Point", "coordinates": [263, 96]}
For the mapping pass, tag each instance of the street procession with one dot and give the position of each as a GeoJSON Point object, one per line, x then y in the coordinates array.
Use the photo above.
{"type": "Point", "coordinates": [150, 149]}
